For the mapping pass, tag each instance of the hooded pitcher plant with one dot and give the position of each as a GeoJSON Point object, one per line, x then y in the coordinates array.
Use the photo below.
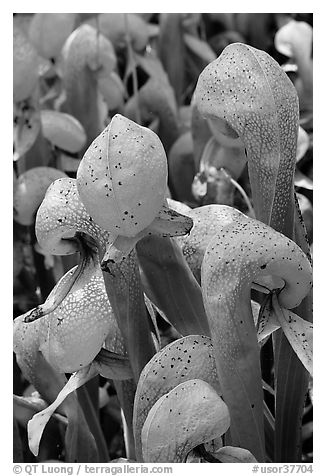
{"type": "Point", "coordinates": [186, 358]}
{"type": "Point", "coordinates": [59, 221]}
{"type": "Point", "coordinates": [242, 252]}
{"type": "Point", "coordinates": [88, 60]}
{"type": "Point", "coordinates": [199, 320]}
{"type": "Point", "coordinates": [70, 339]}
{"type": "Point", "coordinates": [63, 226]}
{"type": "Point", "coordinates": [78, 302]}
{"type": "Point", "coordinates": [122, 181]}
{"type": "Point", "coordinates": [245, 94]}
{"type": "Point", "coordinates": [49, 383]}
{"type": "Point", "coordinates": [162, 431]}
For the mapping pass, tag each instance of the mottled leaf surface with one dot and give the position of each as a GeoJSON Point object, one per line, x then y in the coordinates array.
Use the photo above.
{"type": "Point", "coordinates": [208, 220]}
{"type": "Point", "coordinates": [238, 254]}
{"type": "Point", "coordinates": [246, 88]}
{"type": "Point", "coordinates": [190, 414]}
{"type": "Point", "coordinates": [184, 359]}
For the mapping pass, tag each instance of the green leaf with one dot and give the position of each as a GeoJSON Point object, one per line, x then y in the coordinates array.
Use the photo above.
{"type": "Point", "coordinates": [172, 287]}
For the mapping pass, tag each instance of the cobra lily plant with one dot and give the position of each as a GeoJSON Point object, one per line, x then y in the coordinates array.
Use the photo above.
{"type": "Point", "coordinates": [227, 283]}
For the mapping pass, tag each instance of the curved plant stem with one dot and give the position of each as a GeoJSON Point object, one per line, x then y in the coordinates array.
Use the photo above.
{"type": "Point", "coordinates": [126, 393]}
{"type": "Point", "coordinates": [242, 191]}
{"type": "Point", "coordinates": [93, 423]}
{"type": "Point", "coordinates": [124, 290]}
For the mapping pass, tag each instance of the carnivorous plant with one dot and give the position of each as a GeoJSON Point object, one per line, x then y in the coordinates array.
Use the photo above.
{"type": "Point", "coordinates": [229, 286]}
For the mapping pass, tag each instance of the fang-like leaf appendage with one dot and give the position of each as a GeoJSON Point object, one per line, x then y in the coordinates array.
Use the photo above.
{"type": "Point", "coordinates": [170, 223]}
{"type": "Point", "coordinates": [37, 424]}
{"type": "Point", "coordinates": [298, 331]}
{"type": "Point", "coordinates": [56, 297]}
{"type": "Point", "coordinates": [118, 248]}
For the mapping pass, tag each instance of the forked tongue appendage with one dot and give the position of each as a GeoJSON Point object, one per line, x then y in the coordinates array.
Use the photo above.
{"type": "Point", "coordinates": [168, 223]}
{"type": "Point", "coordinates": [298, 331]}
{"type": "Point", "coordinates": [118, 248]}
{"type": "Point", "coordinates": [36, 425]}
{"type": "Point", "coordinates": [63, 288]}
